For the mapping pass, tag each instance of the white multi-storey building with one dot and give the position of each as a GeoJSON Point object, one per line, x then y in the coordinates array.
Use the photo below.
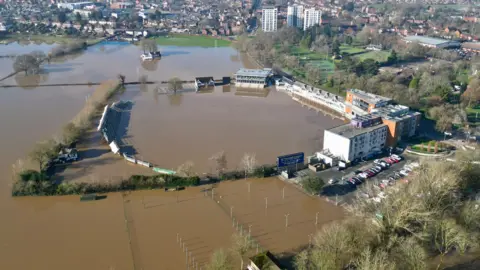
{"type": "Point", "coordinates": [311, 17]}
{"type": "Point", "coordinates": [359, 139]}
{"type": "Point", "coordinates": [269, 19]}
{"type": "Point", "coordinates": [295, 16]}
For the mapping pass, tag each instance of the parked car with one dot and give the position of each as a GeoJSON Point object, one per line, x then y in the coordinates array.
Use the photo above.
{"type": "Point", "coordinates": [363, 175]}
{"type": "Point", "coordinates": [389, 161]}
{"type": "Point", "coordinates": [333, 181]}
{"type": "Point", "coordinates": [397, 156]}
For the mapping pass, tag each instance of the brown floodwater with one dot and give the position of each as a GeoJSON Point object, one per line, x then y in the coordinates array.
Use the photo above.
{"type": "Point", "coordinates": [138, 231]}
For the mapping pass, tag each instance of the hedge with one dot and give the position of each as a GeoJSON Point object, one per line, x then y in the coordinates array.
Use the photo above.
{"type": "Point", "coordinates": [29, 186]}
{"type": "Point", "coordinates": [34, 183]}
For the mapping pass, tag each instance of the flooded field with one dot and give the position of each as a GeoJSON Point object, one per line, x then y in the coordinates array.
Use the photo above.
{"type": "Point", "coordinates": [126, 232]}
{"type": "Point", "coordinates": [280, 216]}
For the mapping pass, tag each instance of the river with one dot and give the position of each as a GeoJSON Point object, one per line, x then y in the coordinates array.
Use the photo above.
{"type": "Point", "coordinates": [115, 233]}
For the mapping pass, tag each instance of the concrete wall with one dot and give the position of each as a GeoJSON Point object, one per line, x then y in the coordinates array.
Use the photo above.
{"type": "Point", "coordinates": [338, 145]}
{"type": "Point", "coordinates": [250, 85]}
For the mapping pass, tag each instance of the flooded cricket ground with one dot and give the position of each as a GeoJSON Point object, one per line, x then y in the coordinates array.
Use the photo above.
{"type": "Point", "coordinates": [139, 230]}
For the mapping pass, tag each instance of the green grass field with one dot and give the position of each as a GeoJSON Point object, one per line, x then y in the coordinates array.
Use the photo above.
{"type": "Point", "coordinates": [473, 114]}
{"type": "Point", "coordinates": [306, 55]}
{"type": "Point", "coordinates": [380, 56]}
{"type": "Point", "coordinates": [350, 49]}
{"type": "Point", "coordinates": [192, 41]}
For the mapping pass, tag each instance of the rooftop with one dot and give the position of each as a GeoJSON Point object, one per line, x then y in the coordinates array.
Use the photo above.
{"type": "Point", "coordinates": [368, 97]}
{"type": "Point", "coordinates": [428, 40]}
{"type": "Point", "coordinates": [349, 131]}
{"type": "Point", "coordinates": [471, 45]}
{"type": "Point", "coordinates": [254, 72]}
{"type": "Point", "coordinates": [394, 112]}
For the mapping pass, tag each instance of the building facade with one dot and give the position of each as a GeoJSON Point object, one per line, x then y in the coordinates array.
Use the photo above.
{"type": "Point", "coordinates": [252, 78]}
{"type": "Point", "coordinates": [401, 122]}
{"type": "Point", "coordinates": [431, 42]}
{"type": "Point", "coordinates": [311, 17]}
{"type": "Point", "coordinates": [358, 102]}
{"type": "Point", "coordinates": [269, 19]}
{"type": "Point", "coordinates": [295, 16]}
{"type": "Point", "coordinates": [356, 140]}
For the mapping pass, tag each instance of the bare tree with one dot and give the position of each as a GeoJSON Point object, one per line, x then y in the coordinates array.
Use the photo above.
{"type": "Point", "coordinates": [409, 254]}
{"type": "Point", "coordinates": [377, 260]}
{"type": "Point", "coordinates": [249, 162]}
{"type": "Point", "coordinates": [70, 133]}
{"type": "Point", "coordinates": [43, 152]}
{"type": "Point", "coordinates": [26, 63]}
{"type": "Point", "coordinates": [444, 123]}
{"type": "Point", "coordinates": [186, 169]}
{"type": "Point", "coordinates": [447, 235]}
{"type": "Point", "coordinates": [121, 79]}
{"type": "Point", "coordinates": [175, 84]}
{"type": "Point", "coordinates": [241, 245]}
{"type": "Point", "coordinates": [39, 56]}
{"type": "Point", "coordinates": [220, 260]}
{"type": "Point", "coordinates": [220, 160]}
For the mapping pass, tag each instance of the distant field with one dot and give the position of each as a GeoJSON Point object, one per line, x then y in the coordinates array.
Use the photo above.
{"type": "Point", "coordinates": [380, 56]}
{"type": "Point", "coordinates": [312, 58]}
{"type": "Point", "coordinates": [192, 41]}
{"type": "Point", "coordinates": [306, 55]}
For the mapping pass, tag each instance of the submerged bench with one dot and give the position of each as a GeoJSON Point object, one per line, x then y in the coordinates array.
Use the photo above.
{"type": "Point", "coordinates": [88, 197]}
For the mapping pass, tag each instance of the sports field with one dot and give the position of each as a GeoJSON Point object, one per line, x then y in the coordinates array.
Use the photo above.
{"type": "Point", "coordinates": [192, 41]}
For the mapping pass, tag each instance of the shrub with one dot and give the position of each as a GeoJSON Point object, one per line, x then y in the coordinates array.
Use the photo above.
{"type": "Point", "coordinates": [32, 175]}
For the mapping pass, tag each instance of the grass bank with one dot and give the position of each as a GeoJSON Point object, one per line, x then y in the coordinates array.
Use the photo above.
{"type": "Point", "coordinates": [184, 40]}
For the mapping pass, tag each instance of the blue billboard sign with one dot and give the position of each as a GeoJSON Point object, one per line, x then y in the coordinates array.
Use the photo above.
{"type": "Point", "coordinates": [292, 159]}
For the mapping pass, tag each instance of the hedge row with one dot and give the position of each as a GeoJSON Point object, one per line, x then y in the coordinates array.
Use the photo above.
{"type": "Point", "coordinates": [258, 172]}
{"type": "Point", "coordinates": [36, 185]}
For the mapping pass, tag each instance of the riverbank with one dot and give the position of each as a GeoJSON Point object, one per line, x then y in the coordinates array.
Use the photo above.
{"type": "Point", "coordinates": [185, 40]}
{"type": "Point", "coordinates": [29, 181]}
{"type": "Point", "coordinates": [26, 39]}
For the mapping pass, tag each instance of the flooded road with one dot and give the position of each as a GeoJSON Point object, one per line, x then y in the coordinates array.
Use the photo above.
{"type": "Point", "coordinates": [125, 232]}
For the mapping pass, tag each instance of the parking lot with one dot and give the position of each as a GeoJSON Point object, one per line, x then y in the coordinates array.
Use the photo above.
{"type": "Point", "coordinates": [343, 192]}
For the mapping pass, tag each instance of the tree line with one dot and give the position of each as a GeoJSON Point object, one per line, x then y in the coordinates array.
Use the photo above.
{"type": "Point", "coordinates": [428, 84]}
{"type": "Point", "coordinates": [434, 215]}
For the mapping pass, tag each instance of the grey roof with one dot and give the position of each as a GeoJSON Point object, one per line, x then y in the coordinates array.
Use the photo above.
{"type": "Point", "coordinates": [429, 40]}
{"type": "Point", "coordinates": [471, 45]}
{"type": "Point", "coordinates": [349, 131]}
{"type": "Point", "coordinates": [254, 72]}
{"type": "Point", "coordinates": [369, 97]}
{"type": "Point", "coordinates": [394, 112]}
